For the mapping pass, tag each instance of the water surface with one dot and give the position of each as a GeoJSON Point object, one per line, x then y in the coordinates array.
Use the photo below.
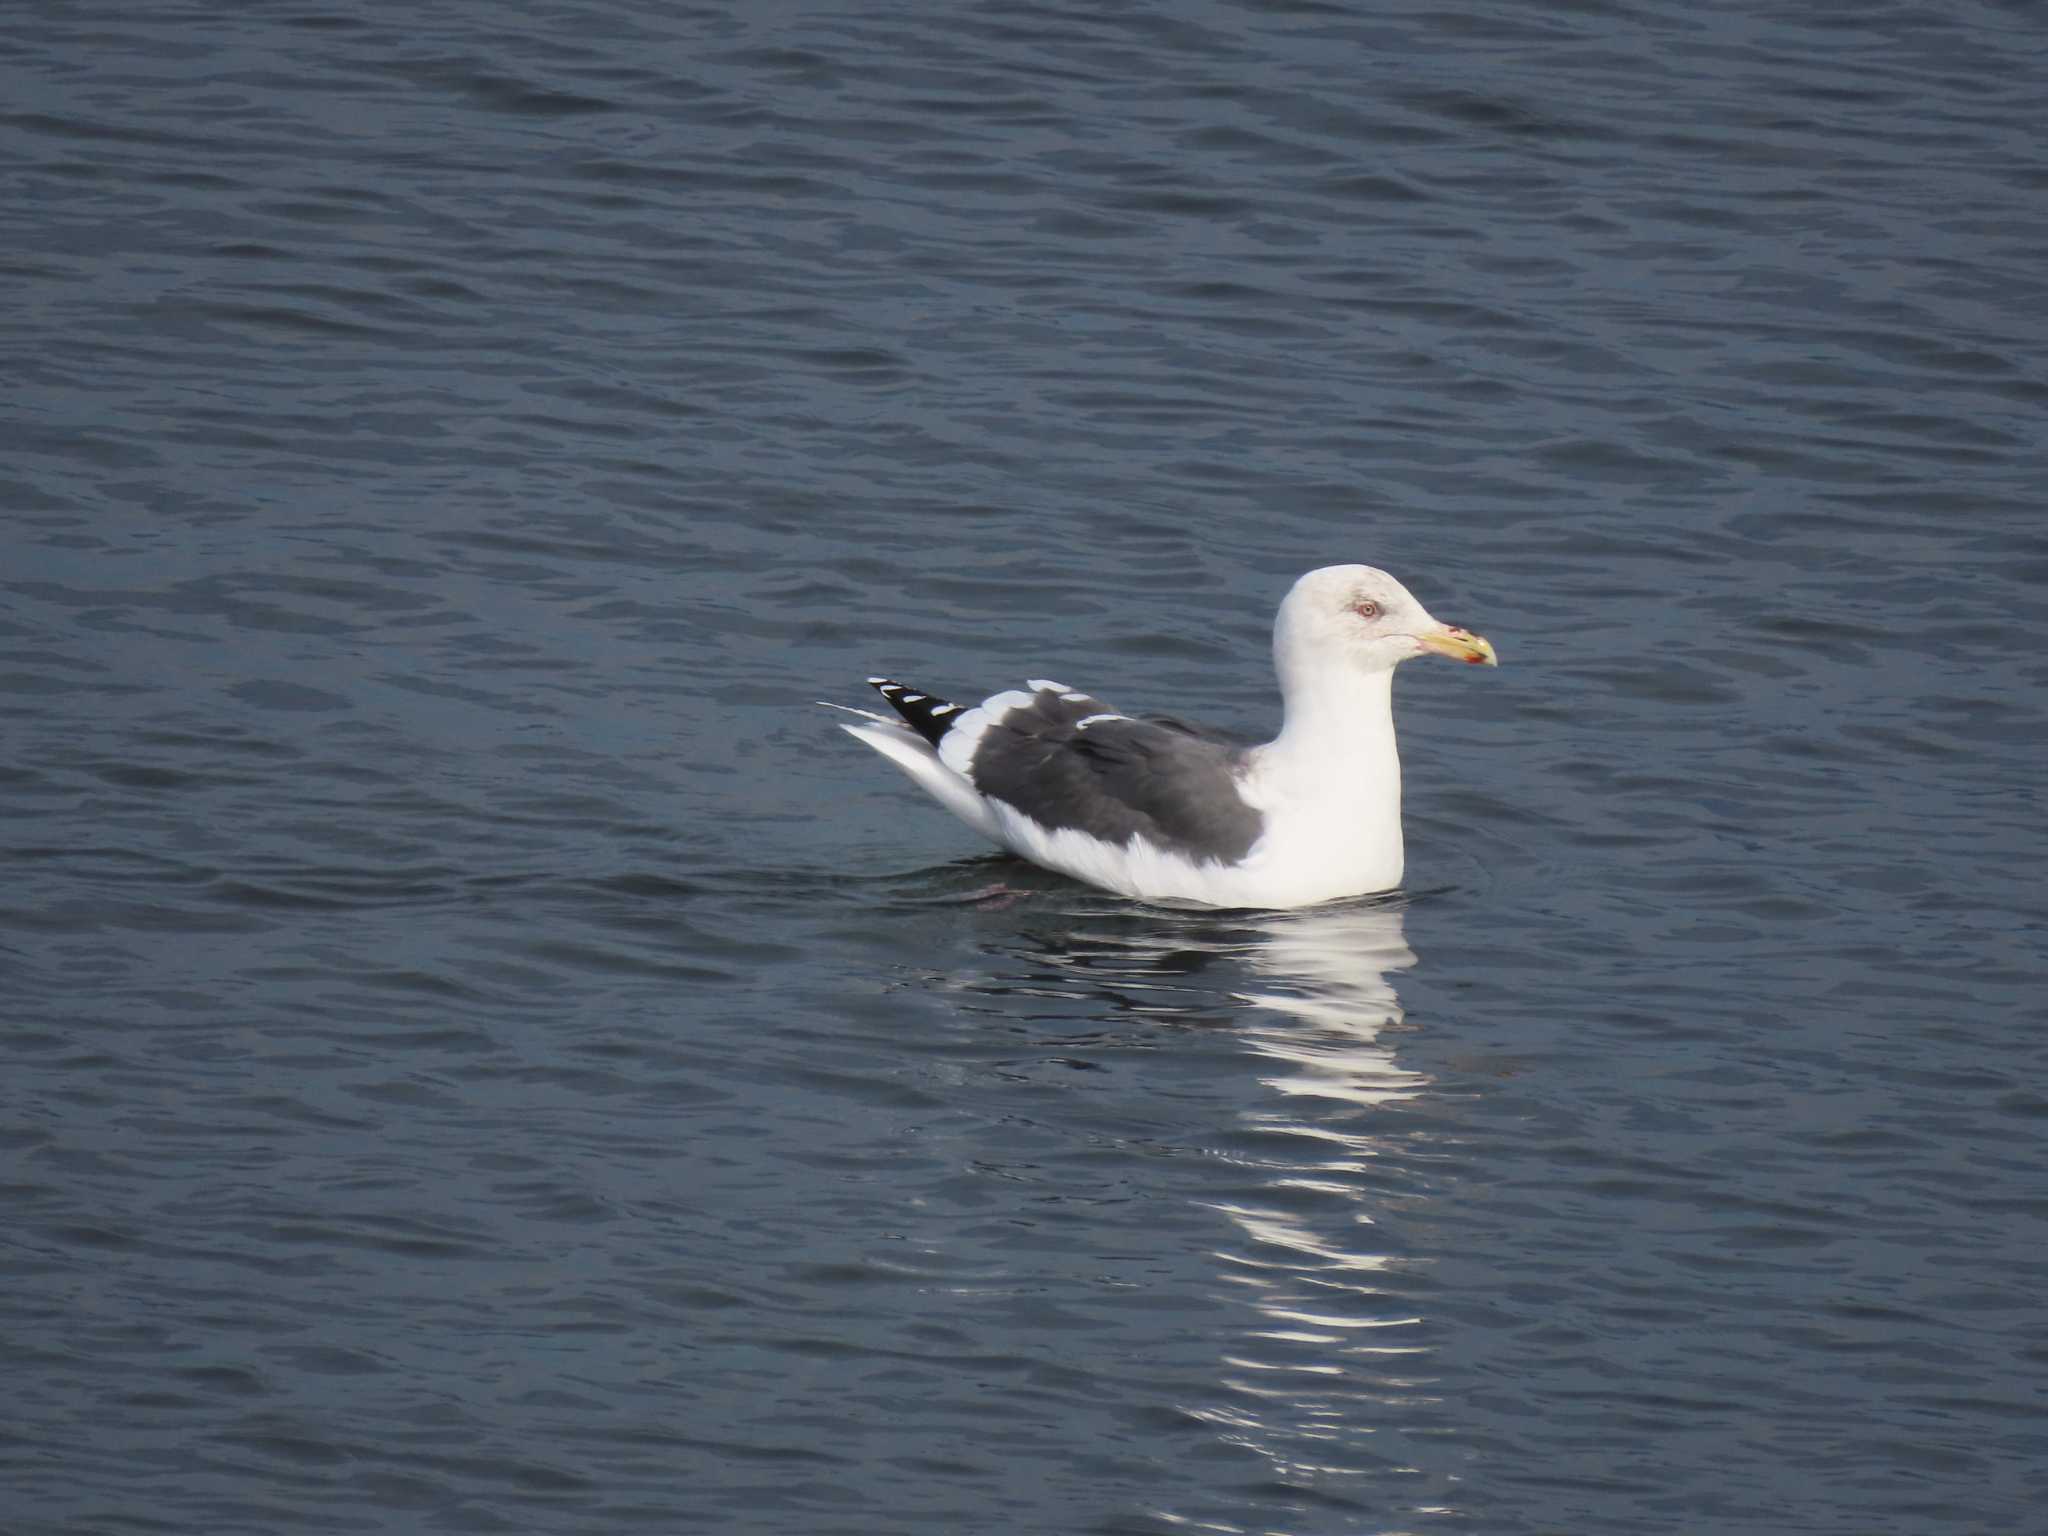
{"type": "Point", "coordinates": [483, 1053]}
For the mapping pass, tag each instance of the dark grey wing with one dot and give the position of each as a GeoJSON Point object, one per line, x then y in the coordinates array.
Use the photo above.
{"type": "Point", "coordinates": [1069, 761]}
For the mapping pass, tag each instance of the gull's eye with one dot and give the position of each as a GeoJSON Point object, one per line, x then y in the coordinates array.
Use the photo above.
{"type": "Point", "coordinates": [1366, 608]}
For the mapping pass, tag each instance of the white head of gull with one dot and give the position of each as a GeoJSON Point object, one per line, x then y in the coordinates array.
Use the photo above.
{"type": "Point", "coordinates": [1165, 811]}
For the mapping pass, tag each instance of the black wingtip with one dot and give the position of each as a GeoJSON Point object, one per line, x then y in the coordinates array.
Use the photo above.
{"type": "Point", "coordinates": [927, 714]}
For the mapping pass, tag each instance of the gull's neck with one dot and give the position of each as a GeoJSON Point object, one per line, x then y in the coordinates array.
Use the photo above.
{"type": "Point", "coordinates": [1338, 727]}
{"type": "Point", "coordinates": [1330, 786]}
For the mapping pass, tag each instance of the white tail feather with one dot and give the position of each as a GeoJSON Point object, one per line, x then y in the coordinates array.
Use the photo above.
{"type": "Point", "coordinates": [848, 709]}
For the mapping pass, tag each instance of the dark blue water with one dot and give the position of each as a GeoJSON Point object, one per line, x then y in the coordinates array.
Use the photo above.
{"type": "Point", "coordinates": [481, 1053]}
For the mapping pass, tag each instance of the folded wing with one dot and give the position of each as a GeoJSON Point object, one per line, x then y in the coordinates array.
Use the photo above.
{"type": "Point", "coordinates": [1070, 762]}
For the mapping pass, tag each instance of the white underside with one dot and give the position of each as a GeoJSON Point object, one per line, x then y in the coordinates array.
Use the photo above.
{"type": "Point", "coordinates": [914, 755]}
{"type": "Point", "coordinates": [1326, 835]}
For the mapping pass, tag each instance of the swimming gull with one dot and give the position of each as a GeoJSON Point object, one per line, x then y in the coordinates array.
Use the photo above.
{"type": "Point", "coordinates": [1165, 811]}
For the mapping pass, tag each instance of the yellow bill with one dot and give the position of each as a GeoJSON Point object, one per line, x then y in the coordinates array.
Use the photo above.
{"type": "Point", "coordinates": [1459, 645]}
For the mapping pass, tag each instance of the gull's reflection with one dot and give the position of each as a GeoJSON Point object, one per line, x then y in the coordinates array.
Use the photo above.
{"type": "Point", "coordinates": [1320, 1009]}
{"type": "Point", "coordinates": [1330, 1381]}
{"type": "Point", "coordinates": [1330, 1372]}
{"type": "Point", "coordinates": [1324, 976]}
{"type": "Point", "coordinates": [1327, 1380]}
